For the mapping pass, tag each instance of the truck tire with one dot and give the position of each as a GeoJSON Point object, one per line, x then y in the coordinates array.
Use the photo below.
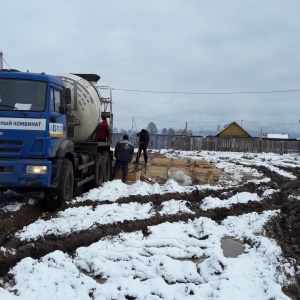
{"type": "Point", "coordinates": [106, 165]}
{"type": "Point", "coordinates": [98, 172]}
{"type": "Point", "coordinates": [56, 197]}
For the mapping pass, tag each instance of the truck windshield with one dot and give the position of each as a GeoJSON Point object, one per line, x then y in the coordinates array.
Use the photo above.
{"type": "Point", "coordinates": [25, 95]}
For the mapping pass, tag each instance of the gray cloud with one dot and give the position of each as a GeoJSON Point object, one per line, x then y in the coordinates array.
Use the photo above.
{"type": "Point", "coordinates": [169, 46]}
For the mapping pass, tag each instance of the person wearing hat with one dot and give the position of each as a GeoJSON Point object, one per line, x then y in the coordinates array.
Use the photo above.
{"type": "Point", "coordinates": [123, 153]}
{"type": "Point", "coordinates": [143, 145]}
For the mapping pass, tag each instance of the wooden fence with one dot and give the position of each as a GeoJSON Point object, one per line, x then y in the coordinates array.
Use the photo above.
{"type": "Point", "coordinates": [198, 143]}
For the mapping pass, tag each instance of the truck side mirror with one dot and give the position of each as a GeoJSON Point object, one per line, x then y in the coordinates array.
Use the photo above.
{"type": "Point", "coordinates": [66, 95]}
{"type": "Point", "coordinates": [62, 109]}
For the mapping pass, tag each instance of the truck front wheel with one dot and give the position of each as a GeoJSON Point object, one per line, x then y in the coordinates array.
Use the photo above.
{"type": "Point", "coordinates": [56, 197]}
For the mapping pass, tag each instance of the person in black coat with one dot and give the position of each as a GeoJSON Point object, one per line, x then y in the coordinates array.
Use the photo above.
{"type": "Point", "coordinates": [143, 145]}
{"type": "Point", "coordinates": [123, 153]}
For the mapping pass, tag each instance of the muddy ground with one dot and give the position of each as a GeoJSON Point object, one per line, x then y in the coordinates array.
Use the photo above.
{"type": "Point", "coordinates": [285, 228]}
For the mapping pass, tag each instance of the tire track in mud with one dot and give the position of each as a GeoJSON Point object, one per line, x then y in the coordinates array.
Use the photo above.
{"type": "Point", "coordinates": [284, 228]}
{"type": "Point", "coordinates": [69, 243]}
{"type": "Point", "coordinates": [12, 221]}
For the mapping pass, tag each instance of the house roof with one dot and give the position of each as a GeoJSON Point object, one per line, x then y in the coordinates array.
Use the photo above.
{"type": "Point", "coordinates": [233, 124]}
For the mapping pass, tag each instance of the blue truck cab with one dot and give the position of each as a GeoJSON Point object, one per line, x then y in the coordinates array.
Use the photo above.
{"type": "Point", "coordinates": [31, 128]}
{"type": "Point", "coordinates": [37, 145]}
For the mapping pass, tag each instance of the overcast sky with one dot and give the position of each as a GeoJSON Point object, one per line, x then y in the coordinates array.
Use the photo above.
{"type": "Point", "coordinates": [207, 63]}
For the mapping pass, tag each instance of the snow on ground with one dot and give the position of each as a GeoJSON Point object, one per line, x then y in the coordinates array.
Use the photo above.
{"type": "Point", "coordinates": [236, 163]}
{"type": "Point", "coordinates": [175, 261]}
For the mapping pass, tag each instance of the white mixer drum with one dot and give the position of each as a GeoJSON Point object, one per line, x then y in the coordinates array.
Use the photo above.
{"type": "Point", "coordinates": [85, 105]}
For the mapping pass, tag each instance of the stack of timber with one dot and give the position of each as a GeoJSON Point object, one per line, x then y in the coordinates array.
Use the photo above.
{"type": "Point", "coordinates": [160, 168]}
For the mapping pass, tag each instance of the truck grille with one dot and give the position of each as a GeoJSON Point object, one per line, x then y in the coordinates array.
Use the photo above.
{"type": "Point", "coordinates": [8, 146]}
{"type": "Point", "coordinates": [6, 169]}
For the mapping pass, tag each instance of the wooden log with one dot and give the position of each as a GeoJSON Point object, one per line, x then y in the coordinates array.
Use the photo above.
{"type": "Point", "coordinates": [132, 176]}
{"type": "Point", "coordinates": [160, 161]}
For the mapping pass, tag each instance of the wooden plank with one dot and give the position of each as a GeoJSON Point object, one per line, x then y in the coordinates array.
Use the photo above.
{"type": "Point", "coordinates": [204, 165]}
{"type": "Point", "coordinates": [132, 176]}
{"type": "Point", "coordinates": [198, 170]}
{"type": "Point", "coordinates": [160, 169]}
{"type": "Point", "coordinates": [182, 162]}
{"type": "Point", "coordinates": [156, 171]}
{"type": "Point", "coordinates": [161, 161]}
{"type": "Point", "coordinates": [156, 155]}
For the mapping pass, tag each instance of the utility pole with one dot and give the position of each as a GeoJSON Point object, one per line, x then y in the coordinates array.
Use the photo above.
{"type": "Point", "coordinates": [133, 122]}
{"type": "Point", "coordinates": [132, 125]}
{"type": "Point", "coordinates": [185, 128]}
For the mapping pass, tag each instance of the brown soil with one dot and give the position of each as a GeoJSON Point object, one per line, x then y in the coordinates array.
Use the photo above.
{"type": "Point", "coordinates": [284, 229]}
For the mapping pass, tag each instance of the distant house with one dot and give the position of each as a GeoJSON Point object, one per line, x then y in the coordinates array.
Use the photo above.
{"type": "Point", "coordinates": [233, 130]}
{"type": "Point", "coordinates": [276, 136]}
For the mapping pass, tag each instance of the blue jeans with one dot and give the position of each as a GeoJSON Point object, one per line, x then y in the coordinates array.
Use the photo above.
{"type": "Point", "coordinates": [118, 165]}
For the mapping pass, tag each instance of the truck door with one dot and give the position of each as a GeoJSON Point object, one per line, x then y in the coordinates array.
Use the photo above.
{"type": "Point", "coordinates": [57, 121]}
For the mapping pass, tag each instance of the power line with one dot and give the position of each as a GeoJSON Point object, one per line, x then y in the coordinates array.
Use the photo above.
{"type": "Point", "coordinates": [207, 93]}
{"type": "Point", "coordinates": [215, 122]}
{"type": "Point", "coordinates": [261, 122]}
{"type": "Point", "coordinates": [156, 120]}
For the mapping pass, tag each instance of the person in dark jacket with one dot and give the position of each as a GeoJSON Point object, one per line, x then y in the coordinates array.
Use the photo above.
{"type": "Point", "coordinates": [123, 153]}
{"type": "Point", "coordinates": [103, 131]}
{"type": "Point", "coordinates": [143, 145]}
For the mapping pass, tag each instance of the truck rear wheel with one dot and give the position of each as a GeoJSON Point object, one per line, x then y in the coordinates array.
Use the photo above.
{"type": "Point", "coordinates": [98, 172]}
{"type": "Point", "coordinates": [56, 197]}
{"type": "Point", "coordinates": [106, 165]}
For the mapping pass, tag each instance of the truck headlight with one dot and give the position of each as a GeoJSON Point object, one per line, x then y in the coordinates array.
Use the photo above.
{"type": "Point", "coordinates": [36, 169]}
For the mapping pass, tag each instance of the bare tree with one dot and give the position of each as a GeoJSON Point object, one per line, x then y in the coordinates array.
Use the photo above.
{"type": "Point", "coordinates": [184, 131]}
{"type": "Point", "coordinates": [171, 131]}
{"type": "Point", "coordinates": [151, 128]}
{"type": "Point", "coordinates": [164, 131]}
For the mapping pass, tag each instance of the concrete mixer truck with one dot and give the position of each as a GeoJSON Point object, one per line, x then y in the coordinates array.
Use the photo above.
{"type": "Point", "coordinates": [47, 134]}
